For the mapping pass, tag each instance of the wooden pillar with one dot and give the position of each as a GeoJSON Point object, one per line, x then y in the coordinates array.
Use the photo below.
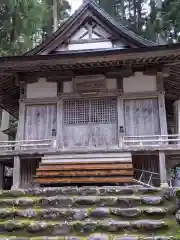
{"type": "Point", "coordinates": [162, 114]}
{"type": "Point", "coordinates": [60, 124]}
{"type": "Point", "coordinates": [21, 124]}
{"type": "Point", "coordinates": [161, 103]}
{"type": "Point", "coordinates": [162, 169]}
{"type": "Point", "coordinates": [1, 176]}
{"type": "Point", "coordinates": [120, 109]}
{"type": "Point", "coordinates": [176, 106]}
{"type": "Point", "coordinates": [16, 173]}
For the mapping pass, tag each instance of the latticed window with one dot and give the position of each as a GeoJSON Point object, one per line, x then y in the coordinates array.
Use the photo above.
{"type": "Point", "coordinates": [83, 111]}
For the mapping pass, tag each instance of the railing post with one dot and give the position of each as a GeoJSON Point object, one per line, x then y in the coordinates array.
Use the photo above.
{"type": "Point", "coordinates": [54, 140]}
{"type": "Point", "coordinates": [121, 137]}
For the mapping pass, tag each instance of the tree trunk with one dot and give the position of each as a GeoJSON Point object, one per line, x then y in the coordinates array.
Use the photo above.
{"type": "Point", "coordinates": [122, 11]}
{"type": "Point", "coordinates": [55, 20]}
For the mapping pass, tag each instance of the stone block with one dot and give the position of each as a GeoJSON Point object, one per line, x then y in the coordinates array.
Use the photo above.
{"type": "Point", "coordinates": [126, 212]}
{"type": "Point", "coordinates": [85, 227]}
{"type": "Point", "coordinates": [152, 200]}
{"type": "Point", "coordinates": [149, 225]}
{"type": "Point", "coordinates": [114, 226]}
{"type": "Point", "coordinates": [128, 202]}
{"type": "Point", "coordinates": [115, 190]}
{"type": "Point", "coordinates": [85, 201]}
{"type": "Point", "coordinates": [100, 213]}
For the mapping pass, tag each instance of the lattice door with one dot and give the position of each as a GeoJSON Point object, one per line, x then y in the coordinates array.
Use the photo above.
{"type": "Point", "coordinates": [90, 123]}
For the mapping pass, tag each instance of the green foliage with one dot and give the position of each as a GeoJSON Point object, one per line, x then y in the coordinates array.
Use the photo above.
{"type": "Point", "coordinates": [22, 23]}
{"type": "Point", "coordinates": [19, 22]}
{"type": "Point", "coordinates": [142, 17]}
{"type": "Point", "coordinates": [63, 8]}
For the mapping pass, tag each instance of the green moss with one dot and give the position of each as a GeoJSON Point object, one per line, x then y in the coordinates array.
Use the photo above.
{"type": "Point", "coordinates": [90, 210]}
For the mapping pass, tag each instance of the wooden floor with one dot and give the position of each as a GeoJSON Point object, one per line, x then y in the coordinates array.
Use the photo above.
{"type": "Point", "coordinates": [100, 172]}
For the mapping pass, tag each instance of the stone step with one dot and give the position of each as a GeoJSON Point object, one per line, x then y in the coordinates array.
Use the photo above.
{"type": "Point", "coordinates": [101, 201]}
{"type": "Point", "coordinates": [82, 191]}
{"type": "Point", "coordinates": [70, 214]}
{"type": "Point", "coordinates": [92, 237]}
{"type": "Point", "coordinates": [45, 228]}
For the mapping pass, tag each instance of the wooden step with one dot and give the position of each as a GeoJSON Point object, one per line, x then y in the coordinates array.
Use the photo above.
{"type": "Point", "coordinates": [99, 172]}
{"type": "Point", "coordinates": [85, 180]}
{"type": "Point", "coordinates": [77, 166]}
{"type": "Point", "coordinates": [56, 173]}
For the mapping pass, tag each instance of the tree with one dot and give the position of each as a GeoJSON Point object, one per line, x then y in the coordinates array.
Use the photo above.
{"type": "Point", "coordinates": [51, 17]}
{"type": "Point", "coordinates": [131, 13]}
{"type": "Point", "coordinates": [24, 23]}
{"type": "Point", "coordinates": [19, 23]}
{"type": "Point", "coordinates": [171, 20]}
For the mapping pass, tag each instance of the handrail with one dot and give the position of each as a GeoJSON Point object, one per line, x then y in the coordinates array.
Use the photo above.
{"type": "Point", "coordinates": [170, 135]}
{"type": "Point", "coordinates": [150, 140]}
{"type": "Point", "coordinates": [24, 145]}
{"type": "Point", "coordinates": [21, 141]}
{"type": "Point", "coordinates": [146, 171]}
{"type": "Point", "coordinates": [149, 183]}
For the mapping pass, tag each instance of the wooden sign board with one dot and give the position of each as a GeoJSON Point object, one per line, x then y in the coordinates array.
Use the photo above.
{"type": "Point", "coordinates": [89, 83]}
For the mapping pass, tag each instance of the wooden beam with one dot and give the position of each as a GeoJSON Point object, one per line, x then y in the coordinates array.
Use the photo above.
{"type": "Point", "coordinates": [160, 82]}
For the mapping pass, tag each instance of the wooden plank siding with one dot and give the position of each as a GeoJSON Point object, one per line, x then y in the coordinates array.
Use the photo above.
{"type": "Point", "coordinates": [28, 171]}
{"type": "Point", "coordinates": [39, 121]}
{"type": "Point", "coordinates": [141, 117]}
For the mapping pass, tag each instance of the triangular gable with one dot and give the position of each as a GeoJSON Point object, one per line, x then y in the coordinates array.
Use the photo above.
{"type": "Point", "coordinates": [90, 27]}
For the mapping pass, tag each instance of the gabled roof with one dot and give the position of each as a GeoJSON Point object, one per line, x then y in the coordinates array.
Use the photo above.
{"type": "Point", "coordinates": [89, 9]}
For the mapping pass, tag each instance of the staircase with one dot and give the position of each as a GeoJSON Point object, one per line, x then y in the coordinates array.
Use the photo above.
{"type": "Point", "coordinates": [87, 213]}
{"type": "Point", "coordinates": [85, 169]}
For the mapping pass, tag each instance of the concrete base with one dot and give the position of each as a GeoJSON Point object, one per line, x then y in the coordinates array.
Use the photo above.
{"type": "Point", "coordinates": [164, 185]}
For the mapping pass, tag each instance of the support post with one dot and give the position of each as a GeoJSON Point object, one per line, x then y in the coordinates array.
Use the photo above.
{"type": "Point", "coordinates": [21, 124]}
{"type": "Point", "coordinates": [161, 103]}
{"type": "Point", "coordinates": [60, 124]}
{"type": "Point", "coordinates": [16, 173]}
{"type": "Point", "coordinates": [120, 108]}
{"type": "Point", "coordinates": [162, 169]}
{"type": "Point", "coordinates": [162, 113]}
{"type": "Point", "coordinates": [1, 176]}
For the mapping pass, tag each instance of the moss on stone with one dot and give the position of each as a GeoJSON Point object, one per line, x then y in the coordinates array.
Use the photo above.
{"type": "Point", "coordinates": [90, 210]}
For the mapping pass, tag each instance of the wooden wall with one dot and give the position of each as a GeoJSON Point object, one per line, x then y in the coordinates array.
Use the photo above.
{"type": "Point", "coordinates": [39, 121]}
{"type": "Point", "coordinates": [28, 171]}
{"type": "Point", "coordinates": [141, 117]}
